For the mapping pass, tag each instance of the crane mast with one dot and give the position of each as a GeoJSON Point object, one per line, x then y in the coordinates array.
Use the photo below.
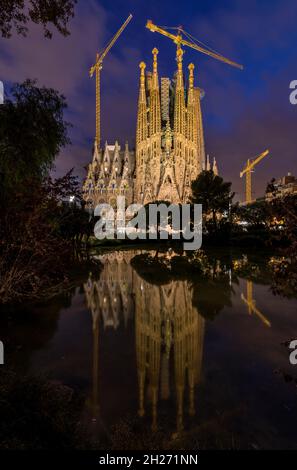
{"type": "Point", "coordinates": [251, 304]}
{"type": "Point", "coordinates": [96, 68]}
{"type": "Point", "coordinates": [250, 164]}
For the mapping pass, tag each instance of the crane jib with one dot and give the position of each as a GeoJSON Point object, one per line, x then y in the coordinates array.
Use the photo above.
{"type": "Point", "coordinates": [178, 39]}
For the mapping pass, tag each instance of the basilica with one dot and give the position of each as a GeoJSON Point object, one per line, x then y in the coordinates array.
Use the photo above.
{"type": "Point", "coordinates": [169, 151]}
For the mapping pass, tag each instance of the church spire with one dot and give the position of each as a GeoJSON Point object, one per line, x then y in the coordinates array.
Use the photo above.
{"type": "Point", "coordinates": [191, 67]}
{"type": "Point", "coordinates": [141, 132]}
{"type": "Point", "coordinates": [179, 105]}
{"type": "Point", "coordinates": [96, 154]}
{"type": "Point", "coordinates": [155, 108]}
{"type": "Point", "coordinates": [191, 105]}
{"type": "Point", "coordinates": [215, 167]}
{"type": "Point", "coordinates": [155, 53]}
{"type": "Point", "coordinates": [198, 126]}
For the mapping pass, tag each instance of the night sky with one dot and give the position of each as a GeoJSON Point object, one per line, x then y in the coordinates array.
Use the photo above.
{"type": "Point", "coordinates": [244, 112]}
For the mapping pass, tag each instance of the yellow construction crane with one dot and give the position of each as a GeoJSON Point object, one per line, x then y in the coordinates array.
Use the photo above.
{"type": "Point", "coordinates": [250, 164]}
{"type": "Point", "coordinates": [180, 41]}
{"type": "Point", "coordinates": [251, 304]}
{"type": "Point", "coordinates": [96, 68]}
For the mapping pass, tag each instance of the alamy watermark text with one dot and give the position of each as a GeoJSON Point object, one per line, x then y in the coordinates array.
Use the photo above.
{"type": "Point", "coordinates": [153, 221]}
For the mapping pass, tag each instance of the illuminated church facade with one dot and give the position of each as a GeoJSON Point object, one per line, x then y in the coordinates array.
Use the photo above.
{"type": "Point", "coordinates": [169, 151]}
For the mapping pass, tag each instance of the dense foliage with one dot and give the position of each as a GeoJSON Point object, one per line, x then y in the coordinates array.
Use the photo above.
{"type": "Point", "coordinates": [213, 193]}
{"type": "Point", "coordinates": [48, 13]}
{"type": "Point", "coordinates": [32, 133]}
{"type": "Point", "coordinates": [38, 224]}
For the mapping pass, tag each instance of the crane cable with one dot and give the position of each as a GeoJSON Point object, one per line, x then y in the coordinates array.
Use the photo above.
{"type": "Point", "coordinates": [192, 38]}
{"type": "Point", "coordinates": [197, 42]}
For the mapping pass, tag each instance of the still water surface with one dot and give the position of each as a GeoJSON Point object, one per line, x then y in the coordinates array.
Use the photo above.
{"type": "Point", "coordinates": [191, 357]}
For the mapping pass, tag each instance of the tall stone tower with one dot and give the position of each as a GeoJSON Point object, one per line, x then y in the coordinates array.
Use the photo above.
{"type": "Point", "coordinates": [169, 135]}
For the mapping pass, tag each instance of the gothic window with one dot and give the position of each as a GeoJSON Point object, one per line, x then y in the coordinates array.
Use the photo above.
{"type": "Point", "coordinates": [168, 180]}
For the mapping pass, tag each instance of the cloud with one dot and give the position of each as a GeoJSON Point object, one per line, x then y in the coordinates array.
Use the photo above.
{"type": "Point", "coordinates": [63, 63]}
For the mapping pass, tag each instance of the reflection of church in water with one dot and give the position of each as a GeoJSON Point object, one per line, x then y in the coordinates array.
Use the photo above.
{"type": "Point", "coordinates": [169, 333]}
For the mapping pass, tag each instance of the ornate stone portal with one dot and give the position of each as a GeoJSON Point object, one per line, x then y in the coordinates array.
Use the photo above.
{"type": "Point", "coordinates": [169, 150]}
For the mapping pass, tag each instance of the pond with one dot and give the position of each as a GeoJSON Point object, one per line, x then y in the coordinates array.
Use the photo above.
{"type": "Point", "coordinates": [192, 361]}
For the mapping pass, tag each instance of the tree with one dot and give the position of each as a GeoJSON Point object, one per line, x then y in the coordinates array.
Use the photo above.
{"type": "Point", "coordinates": [32, 133]}
{"type": "Point", "coordinates": [17, 13]}
{"type": "Point", "coordinates": [38, 226]}
{"type": "Point", "coordinates": [213, 193]}
{"type": "Point", "coordinates": [284, 209]}
{"type": "Point", "coordinates": [270, 188]}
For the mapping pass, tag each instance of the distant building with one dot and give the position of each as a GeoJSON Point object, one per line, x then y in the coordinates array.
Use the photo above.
{"type": "Point", "coordinates": [287, 185]}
